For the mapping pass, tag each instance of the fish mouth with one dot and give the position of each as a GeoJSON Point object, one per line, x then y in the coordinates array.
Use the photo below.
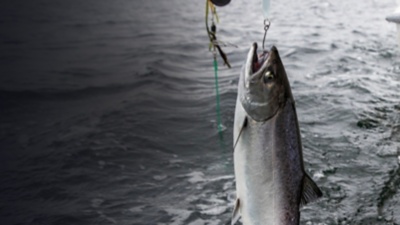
{"type": "Point", "coordinates": [258, 60]}
{"type": "Point", "coordinates": [255, 63]}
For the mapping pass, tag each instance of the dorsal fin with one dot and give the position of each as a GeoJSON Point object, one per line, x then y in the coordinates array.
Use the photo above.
{"type": "Point", "coordinates": [311, 191]}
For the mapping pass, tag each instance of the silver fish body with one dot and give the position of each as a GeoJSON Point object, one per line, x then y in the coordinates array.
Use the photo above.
{"type": "Point", "coordinates": [271, 184]}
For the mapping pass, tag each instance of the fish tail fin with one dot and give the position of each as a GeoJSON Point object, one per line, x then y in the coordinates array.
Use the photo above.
{"type": "Point", "coordinates": [311, 191]}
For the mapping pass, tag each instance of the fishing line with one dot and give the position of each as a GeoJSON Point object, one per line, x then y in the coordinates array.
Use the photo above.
{"type": "Point", "coordinates": [217, 92]}
{"type": "Point", "coordinates": [265, 6]}
{"type": "Point", "coordinates": [215, 46]}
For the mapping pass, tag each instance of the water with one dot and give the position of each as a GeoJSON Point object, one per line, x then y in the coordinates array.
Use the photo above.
{"type": "Point", "coordinates": [107, 109]}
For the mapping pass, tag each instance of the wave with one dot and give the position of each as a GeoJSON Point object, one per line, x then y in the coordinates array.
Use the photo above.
{"type": "Point", "coordinates": [53, 94]}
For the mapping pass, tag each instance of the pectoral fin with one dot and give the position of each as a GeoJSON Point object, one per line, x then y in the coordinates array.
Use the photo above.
{"type": "Point", "coordinates": [240, 122]}
{"type": "Point", "coordinates": [235, 215]}
{"type": "Point", "coordinates": [311, 191]}
{"type": "Point", "coordinates": [240, 132]}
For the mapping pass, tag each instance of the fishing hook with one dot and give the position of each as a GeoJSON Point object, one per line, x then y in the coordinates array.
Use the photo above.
{"type": "Point", "coordinates": [267, 24]}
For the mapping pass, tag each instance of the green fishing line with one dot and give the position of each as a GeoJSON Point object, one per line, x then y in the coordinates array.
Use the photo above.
{"type": "Point", "coordinates": [215, 46]}
{"type": "Point", "coordinates": [217, 94]}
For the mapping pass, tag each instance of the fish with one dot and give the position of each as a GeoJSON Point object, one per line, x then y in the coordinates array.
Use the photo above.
{"type": "Point", "coordinates": [271, 182]}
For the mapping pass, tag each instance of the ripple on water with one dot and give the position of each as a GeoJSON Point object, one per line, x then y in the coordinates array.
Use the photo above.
{"type": "Point", "coordinates": [108, 113]}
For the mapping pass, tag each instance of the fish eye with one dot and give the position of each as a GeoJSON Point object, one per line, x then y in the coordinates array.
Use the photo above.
{"type": "Point", "coordinates": [268, 76]}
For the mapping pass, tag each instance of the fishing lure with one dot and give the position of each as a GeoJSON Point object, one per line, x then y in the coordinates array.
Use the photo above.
{"type": "Point", "coordinates": [212, 32]}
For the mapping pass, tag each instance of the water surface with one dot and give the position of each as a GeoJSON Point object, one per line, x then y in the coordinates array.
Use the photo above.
{"type": "Point", "coordinates": [107, 109]}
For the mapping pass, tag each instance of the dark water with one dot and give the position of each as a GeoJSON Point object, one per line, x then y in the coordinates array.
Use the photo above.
{"type": "Point", "coordinates": [107, 109]}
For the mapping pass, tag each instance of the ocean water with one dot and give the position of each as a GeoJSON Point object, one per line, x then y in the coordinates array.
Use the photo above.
{"type": "Point", "coordinates": [108, 111]}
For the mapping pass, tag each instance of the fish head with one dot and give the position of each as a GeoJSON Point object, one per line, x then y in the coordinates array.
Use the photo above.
{"type": "Point", "coordinates": [264, 87]}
